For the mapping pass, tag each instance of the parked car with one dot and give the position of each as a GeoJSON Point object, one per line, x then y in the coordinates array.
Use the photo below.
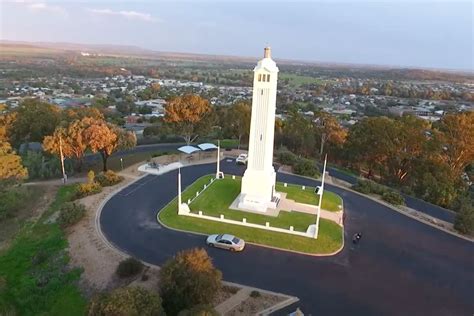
{"type": "Point", "coordinates": [242, 159]}
{"type": "Point", "coordinates": [317, 190]}
{"type": "Point", "coordinates": [226, 241]}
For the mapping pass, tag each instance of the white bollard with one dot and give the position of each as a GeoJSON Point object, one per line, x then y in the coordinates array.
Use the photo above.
{"type": "Point", "coordinates": [285, 184]}
{"type": "Point", "coordinates": [189, 201]}
{"type": "Point", "coordinates": [222, 216]}
{"type": "Point", "coordinates": [205, 186]}
{"type": "Point", "coordinates": [303, 187]}
{"type": "Point", "coordinates": [292, 228]}
{"type": "Point", "coordinates": [267, 224]}
{"type": "Point", "coordinates": [233, 177]}
{"type": "Point", "coordinates": [200, 213]}
{"type": "Point", "coordinates": [197, 193]}
{"type": "Point", "coordinates": [244, 220]}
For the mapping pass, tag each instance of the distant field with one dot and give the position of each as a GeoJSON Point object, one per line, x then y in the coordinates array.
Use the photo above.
{"type": "Point", "coordinates": [25, 50]}
{"type": "Point", "coordinates": [297, 80]}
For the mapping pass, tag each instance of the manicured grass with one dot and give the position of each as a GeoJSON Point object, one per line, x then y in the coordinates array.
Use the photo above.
{"type": "Point", "coordinates": [34, 273]}
{"type": "Point", "coordinates": [217, 200]}
{"type": "Point", "coordinates": [331, 201]}
{"type": "Point", "coordinates": [229, 143]}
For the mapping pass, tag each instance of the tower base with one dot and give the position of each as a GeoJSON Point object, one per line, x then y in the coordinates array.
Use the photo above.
{"type": "Point", "coordinates": [257, 203]}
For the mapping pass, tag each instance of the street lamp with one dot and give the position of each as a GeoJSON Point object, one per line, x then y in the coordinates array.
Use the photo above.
{"type": "Point", "coordinates": [320, 192]}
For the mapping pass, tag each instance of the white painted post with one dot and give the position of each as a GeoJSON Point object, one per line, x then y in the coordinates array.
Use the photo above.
{"type": "Point", "coordinates": [189, 201]}
{"type": "Point", "coordinates": [267, 224]}
{"type": "Point", "coordinates": [200, 213]}
{"type": "Point", "coordinates": [303, 187]}
{"type": "Point", "coordinates": [218, 170]}
{"type": "Point", "coordinates": [292, 228]}
{"type": "Point", "coordinates": [244, 220]}
{"type": "Point", "coordinates": [197, 193]}
{"type": "Point", "coordinates": [205, 186]}
{"type": "Point", "coordinates": [316, 229]}
{"type": "Point", "coordinates": [285, 184]}
{"type": "Point", "coordinates": [179, 190]}
{"type": "Point", "coordinates": [222, 216]}
{"type": "Point", "coordinates": [233, 177]}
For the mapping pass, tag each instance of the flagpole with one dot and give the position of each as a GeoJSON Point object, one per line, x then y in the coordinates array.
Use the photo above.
{"type": "Point", "coordinates": [179, 189]}
{"type": "Point", "coordinates": [321, 190]}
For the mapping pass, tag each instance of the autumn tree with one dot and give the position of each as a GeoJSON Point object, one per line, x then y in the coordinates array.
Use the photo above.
{"type": "Point", "coordinates": [187, 280]}
{"type": "Point", "coordinates": [239, 120]}
{"type": "Point", "coordinates": [186, 114]}
{"type": "Point", "coordinates": [328, 131]}
{"type": "Point", "coordinates": [73, 114]}
{"type": "Point", "coordinates": [10, 163]}
{"type": "Point", "coordinates": [34, 120]}
{"type": "Point", "coordinates": [458, 133]}
{"type": "Point", "coordinates": [71, 140]}
{"type": "Point", "coordinates": [106, 138]}
{"type": "Point", "coordinates": [370, 143]}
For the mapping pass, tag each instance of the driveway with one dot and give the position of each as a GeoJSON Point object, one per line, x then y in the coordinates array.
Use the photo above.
{"type": "Point", "coordinates": [401, 266]}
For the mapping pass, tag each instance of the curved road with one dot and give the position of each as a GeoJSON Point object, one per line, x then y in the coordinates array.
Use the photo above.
{"type": "Point", "coordinates": [413, 202]}
{"type": "Point", "coordinates": [401, 266]}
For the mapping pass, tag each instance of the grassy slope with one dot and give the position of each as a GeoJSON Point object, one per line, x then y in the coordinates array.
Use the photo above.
{"type": "Point", "coordinates": [34, 269]}
{"type": "Point", "coordinates": [331, 201]}
{"type": "Point", "coordinates": [330, 238]}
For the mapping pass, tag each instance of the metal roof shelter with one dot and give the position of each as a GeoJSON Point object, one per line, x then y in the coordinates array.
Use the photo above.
{"type": "Point", "coordinates": [188, 149]}
{"type": "Point", "coordinates": [207, 146]}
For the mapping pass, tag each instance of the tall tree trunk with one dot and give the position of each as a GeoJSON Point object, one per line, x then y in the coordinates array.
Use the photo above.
{"type": "Point", "coordinates": [104, 160]}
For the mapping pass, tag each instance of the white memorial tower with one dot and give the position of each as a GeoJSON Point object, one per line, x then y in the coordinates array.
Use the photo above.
{"type": "Point", "coordinates": [258, 183]}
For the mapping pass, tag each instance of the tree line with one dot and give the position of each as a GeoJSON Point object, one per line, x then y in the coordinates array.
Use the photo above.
{"type": "Point", "coordinates": [71, 133]}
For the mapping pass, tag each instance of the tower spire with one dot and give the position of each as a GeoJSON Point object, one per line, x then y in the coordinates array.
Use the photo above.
{"type": "Point", "coordinates": [267, 52]}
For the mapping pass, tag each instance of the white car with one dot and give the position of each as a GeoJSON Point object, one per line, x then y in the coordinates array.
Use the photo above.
{"type": "Point", "coordinates": [242, 159]}
{"type": "Point", "coordinates": [317, 190]}
{"type": "Point", "coordinates": [226, 241]}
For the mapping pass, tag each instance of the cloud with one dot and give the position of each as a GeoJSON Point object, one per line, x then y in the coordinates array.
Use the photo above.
{"type": "Point", "coordinates": [131, 15]}
{"type": "Point", "coordinates": [41, 7]}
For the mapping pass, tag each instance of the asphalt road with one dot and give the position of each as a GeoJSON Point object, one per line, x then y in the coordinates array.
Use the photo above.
{"type": "Point", "coordinates": [400, 267]}
{"type": "Point", "coordinates": [420, 205]}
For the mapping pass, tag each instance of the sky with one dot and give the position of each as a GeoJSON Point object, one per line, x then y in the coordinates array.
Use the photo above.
{"type": "Point", "coordinates": [422, 33]}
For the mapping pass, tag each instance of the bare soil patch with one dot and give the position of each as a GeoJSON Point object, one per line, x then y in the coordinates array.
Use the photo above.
{"type": "Point", "coordinates": [87, 249]}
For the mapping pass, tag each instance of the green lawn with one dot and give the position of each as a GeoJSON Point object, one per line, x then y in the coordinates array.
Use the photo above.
{"type": "Point", "coordinates": [216, 200]}
{"type": "Point", "coordinates": [331, 201]}
{"type": "Point", "coordinates": [34, 278]}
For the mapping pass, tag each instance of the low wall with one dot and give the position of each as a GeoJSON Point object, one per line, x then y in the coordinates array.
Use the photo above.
{"type": "Point", "coordinates": [222, 219]}
{"type": "Point", "coordinates": [185, 211]}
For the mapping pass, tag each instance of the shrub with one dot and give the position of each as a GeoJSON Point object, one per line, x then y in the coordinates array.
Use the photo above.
{"type": "Point", "coordinates": [388, 195]}
{"type": "Point", "coordinates": [129, 267]}
{"type": "Point", "coordinates": [393, 197]}
{"type": "Point", "coordinates": [199, 310]}
{"type": "Point", "coordinates": [464, 222]}
{"type": "Point", "coordinates": [255, 294]}
{"type": "Point", "coordinates": [70, 214]}
{"type": "Point", "coordinates": [287, 158]}
{"type": "Point", "coordinates": [12, 199]}
{"type": "Point", "coordinates": [187, 280]}
{"type": "Point", "coordinates": [42, 166]}
{"type": "Point", "coordinates": [86, 189]}
{"type": "Point", "coordinates": [367, 187]}
{"type": "Point", "coordinates": [126, 301]}
{"type": "Point", "coordinates": [306, 167]}
{"type": "Point", "coordinates": [108, 178]}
